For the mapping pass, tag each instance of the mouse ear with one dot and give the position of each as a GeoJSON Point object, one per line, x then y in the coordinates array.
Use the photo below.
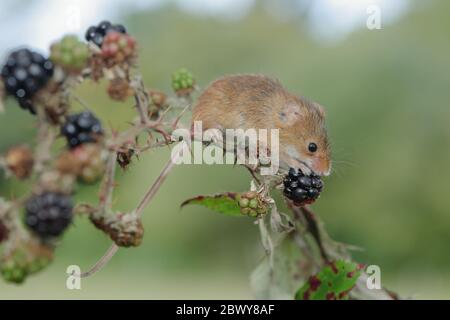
{"type": "Point", "coordinates": [320, 109]}
{"type": "Point", "coordinates": [290, 114]}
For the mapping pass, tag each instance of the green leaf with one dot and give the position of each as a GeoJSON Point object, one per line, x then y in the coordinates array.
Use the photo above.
{"type": "Point", "coordinates": [333, 282]}
{"type": "Point", "coordinates": [224, 203]}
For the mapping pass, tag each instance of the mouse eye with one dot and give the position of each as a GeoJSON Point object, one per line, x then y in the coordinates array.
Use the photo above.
{"type": "Point", "coordinates": [312, 147]}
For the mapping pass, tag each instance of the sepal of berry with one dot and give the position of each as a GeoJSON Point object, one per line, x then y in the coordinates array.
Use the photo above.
{"type": "Point", "coordinates": [119, 89]}
{"type": "Point", "coordinates": [158, 100]}
{"type": "Point", "coordinates": [183, 82]}
{"type": "Point", "coordinates": [252, 204]}
{"type": "Point", "coordinates": [125, 229]}
{"type": "Point", "coordinates": [70, 53]}
{"type": "Point", "coordinates": [19, 161]}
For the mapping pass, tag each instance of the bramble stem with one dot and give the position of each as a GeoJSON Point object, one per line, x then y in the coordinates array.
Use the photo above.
{"type": "Point", "coordinates": [103, 261]}
{"type": "Point", "coordinates": [155, 187]}
{"type": "Point", "coordinates": [148, 196]}
{"type": "Point", "coordinates": [108, 184]}
{"type": "Point", "coordinates": [141, 98]}
{"type": "Point", "coordinates": [45, 138]}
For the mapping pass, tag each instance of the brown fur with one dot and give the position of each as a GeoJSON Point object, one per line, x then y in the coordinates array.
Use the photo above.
{"type": "Point", "coordinates": [257, 101]}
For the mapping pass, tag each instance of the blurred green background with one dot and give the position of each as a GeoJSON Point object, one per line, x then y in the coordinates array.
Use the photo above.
{"type": "Point", "coordinates": [387, 94]}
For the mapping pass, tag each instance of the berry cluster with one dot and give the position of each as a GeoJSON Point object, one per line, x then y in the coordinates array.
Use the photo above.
{"type": "Point", "coordinates": [48, 214]}
{"type": "Point", "coordinates": [97, 33]}
{"type": "Point", "coordinates": [19, 160]}
{"type": "Point", "coordinates": [25, 259]}
{"type": "Point", "coordinates": [252, 204]}
{"type": "Point", "coordinates": [70, 53]}
{"type": "Point", "coordinates": [81, 128]}
{"type": "Point", "coordinates": [15, 269]}
{"type": "Point", "coordinates": [118, 48]}
{"type": "Point", "coordinates": [300, 188]}
{"type": "Point", "coordinates": [119, 89]}
{"type": "Point", "coordinates": [158, 98]}
{"type": "Point", "coordinates": [24, 73]}
{"type": "Point", "coordinates": [125, 229]}
{"type": "Point", "coordinates": [158, 103]}
{"type": "Point", "coordinates": [183, 82]}
{"type": "Point", "coordinates": [85, 162]}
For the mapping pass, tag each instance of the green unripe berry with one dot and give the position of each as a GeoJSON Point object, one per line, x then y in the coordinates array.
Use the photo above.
{"type": "Point", "coordinates": [182, 79]}
{"type": "Point", "coordinates": [70, 53]}
{"type": "Point", "coordinates": [37, 265]}
{"type": "Point", "coordinates": [15, 273]}
{"type": "Point", "coordinates": [243, 202]}
{"type": "Point", "coordinates": [66, 59]}
{"type": "Point", "coordinates": [18, 275]}
{"type": "Point", "coordinates": [253, 213]}
{"type": "Point", "coordinates": [80, 52]}
{"type": "Point", "coordinates": [69, 41]}
{"type": "Point", "coordinates": [253, 203]}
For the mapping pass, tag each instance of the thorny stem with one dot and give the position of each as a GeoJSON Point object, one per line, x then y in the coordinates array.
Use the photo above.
{"type": "Point", "coordinates": [142, 103]}
{"type": "Point", "coordinates": [154, 145]}
{"type": "Point", "coordinates": [253, 174]}
{"type": "Point", "coordinates": [141, 98]}
{"type": "Point", "coordinates": [101, 262]}
{"type": "Point", "coordinates": [45, 138]}
{"type": "Point", "coordinates": [128, 136]}
{"type": "Point", "coordinates": [148, 196]}
{"type": "Point", "coordinates": [108, 184]}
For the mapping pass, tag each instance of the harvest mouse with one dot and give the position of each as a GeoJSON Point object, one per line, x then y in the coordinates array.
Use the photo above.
{"type": "Point", "coordinates": [260, 102]}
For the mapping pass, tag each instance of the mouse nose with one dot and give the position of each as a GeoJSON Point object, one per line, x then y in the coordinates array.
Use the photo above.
{"type": "Point", "coordinates": [322, 167]}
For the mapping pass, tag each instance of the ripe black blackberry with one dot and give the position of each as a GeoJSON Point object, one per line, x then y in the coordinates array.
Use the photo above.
{"type": "Point", "coordinates": [300, 188]}
{"type": "Point", "coordinates": [24, 73]}
{"type": "Point", "coordinates": [97, 33]}
{"type": "Point", "coordinates": [81, 128]}
{"type": "Point", "coordinates": [48, 214]}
